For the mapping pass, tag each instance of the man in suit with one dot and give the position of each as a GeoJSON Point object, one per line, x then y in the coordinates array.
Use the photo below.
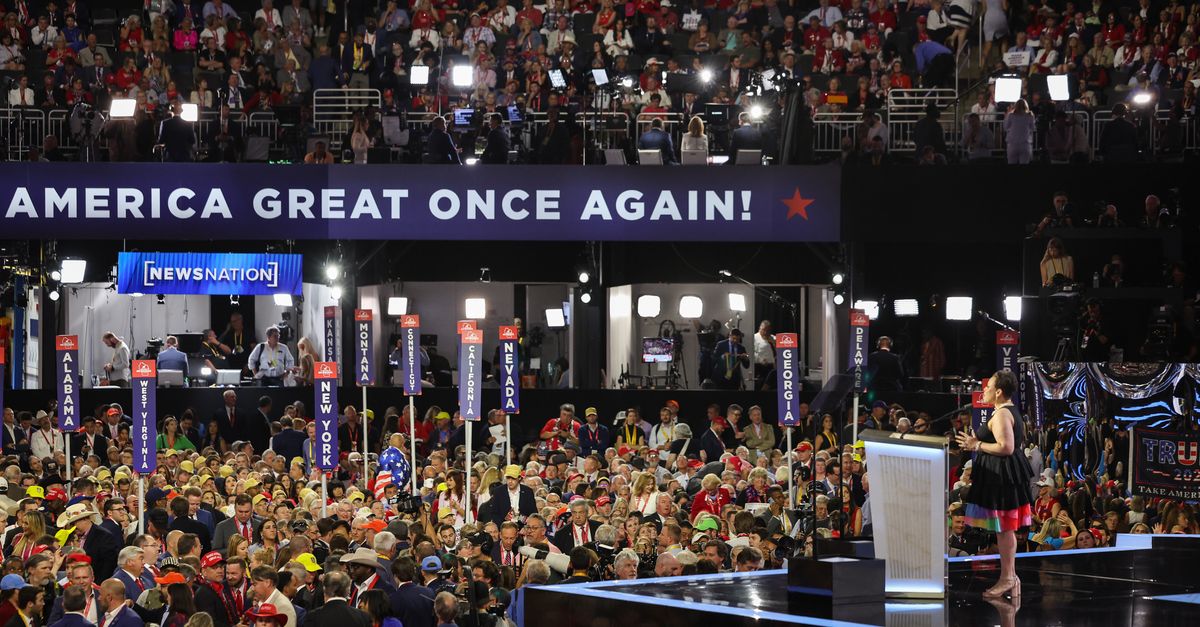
{"type": "Point", "coordinates": [504, 552]}
{"type": "Point", "coordinates": [176, 135]}
{"type": "Point", "coordinates": [265, 583]}
{"type": "Point", "coordinates": [290, 441]}
{"type": "Point", "coordinates": [197, 512]}
{"type": "Point", "coordinates": [664, 508]}
{"type": "Point", "coordinates": [79, 575]}
{"type": "Point", "coordinates": [362, 564]}
{"type": "Point", "coordinates": [243, 523]}
{"type": "Point", "coordinates": [208, 587]}
{"type": "Point", "coordinates": [74, 602]}
{"type": "Point", "coordinates": [439, 146]}
{"type": "Point", "coordinates": [887, 371]}
{"type": "Point", "coordinates": [260, 425]}
{"type": "Point", "coordinates": [412, 602]}
{"type": "Point", "coordinates": [30, 600]}
{"type": "Point", "coordinates": [112, 604]}
{"type": "Point", "coordinates": [579, 530]}
{"type": "Point", "coordinates": [336, 611]}
{"type": "Point", "coordinates": [181, 520]}
{"type": "Point", "coordinates": [777, 517]}
{"type": "Point", "coordinates": [658, 139]}
{"type": "Point", "coordinates": [132, 572]}
{"type": "Point", "coordinates": [497, 142]}
{"type": "Point", "coordinates": [89, 440]}
{"type": "Point", "coordinates": [97, 543]}
{"type": "Point", "coordinates": [12, 432]}
{"type": "Point", "coordinates": [745, 137]}
{"type": "Point", "coordinates": [503, 506]}
{"type": "Point", "coordinates": [116, 516]}
{"type": "Point", "coordinates": [171, 358]}
{"type": "Point", "coordinates": [232, 423]}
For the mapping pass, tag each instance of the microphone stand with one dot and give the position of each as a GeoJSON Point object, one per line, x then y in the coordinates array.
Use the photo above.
{"type": "Point", "coordinates": [983, 314]}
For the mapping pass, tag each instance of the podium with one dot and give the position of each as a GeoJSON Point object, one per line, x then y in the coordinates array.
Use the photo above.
{"type": "Point", "coordinates": [908, 511]}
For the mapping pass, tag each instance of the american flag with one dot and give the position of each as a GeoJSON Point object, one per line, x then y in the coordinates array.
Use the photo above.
{"type": "Point", "coordinates": [386, 477]}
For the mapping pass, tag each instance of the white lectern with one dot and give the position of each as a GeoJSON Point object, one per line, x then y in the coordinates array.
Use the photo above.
{"type": "Point", "coordinates": [908, 511]}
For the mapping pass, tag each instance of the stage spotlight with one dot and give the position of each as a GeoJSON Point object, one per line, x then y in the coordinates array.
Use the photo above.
{"type": "Point", "coordinates": [418, 74]}
{"type": "Point", "coordinates": [737, 302]}
{"type": "Point", "coordinates": [205, 371]}
{"type": "Point", "coordinates": [332, 271]}
{"type": "Point", "coordinates": [839, 298]}
{"type": "Point", "coordinates": [53, 295]}
{"type": "Point", "coordinates": [139, 295]}
{"type": "Point", "coordinates": [397, 306]}
{"type": "Point", "coordinates": [555, 319]}
{"type": "Point", "coordinates": [1142, 98]}
{"type": "Point", "coordinates": [1008, 89]}
{"type": "Point", "coordinates": [471, 160]}
{"type": "Point", "coordinates": [335, 292]}
{"type": "Point", "coordinates": [838, 278]}
{"type": "Point", "coordinates": [72, 271]}
{"type": "Point", "coordinates": [55, 275]}
{"type": "Point", "coordinates": [190, 112]}
{"type": "Point", "coordinates": [462, 75]}
{"type": "Point", "coordinates": [649, 306]}
{"type": "Point", "coordinates": [476, 308]}
{"type": "Point", "coordinates": [585, 297]}
{"type": "Point", "coordinates": [869, 307]}
{"type": "Point", "coordinates": [706, 75]}
{"type": "Point", "coordinates": [906, 307]}
{"type": "Point", "coordinates": [1059, 86]}
{"type": "Point", "coordinates": [757, 112]}
{"type": "Point", "coordinates": [691, 307]}
{"type": "Point", "coordinates": [959, 308]}
{"type": "Point", "coordinates": [627, 82]}
{"type": "Point", "coordinates": [485, 275]}
{"type": "Point", "coordinates": [1012, 308]}
{"type": "Point", "coordinates": [584, 276]}
{"type": "Point", "coordinates": [283, 300]}
{"type": "Point", "coordinates": [122, 108]}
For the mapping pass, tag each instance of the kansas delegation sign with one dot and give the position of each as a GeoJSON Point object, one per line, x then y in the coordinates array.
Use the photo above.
{"type": "Point", "coordinates": [246, 201]}
{"type": "Point", "coordinates": [245, 274]}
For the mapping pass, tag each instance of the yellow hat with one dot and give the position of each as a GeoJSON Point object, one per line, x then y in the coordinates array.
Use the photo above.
{"type": "Point", "coordinates": [171, 452]}
{"type": "Point", "coordinates": [513, 471]}
{"type": "Point", "coordinates": [857, 457]}
{"type": "Point", "coordinates": [187, 466]}
{"type": "Point", "coordinates": [252, 482]}
{"type": "Point", "coordinates": [441, 487]}
{"type": "Point", "coordinates": [35, 492]}
{"type": "Point", "coordinates": [297, 461]}
{"type": "Point", "coordinates": [258, 498]}
{"type": "Point", "coordinates": [309, 562]}
{"type": "Point", "coordinates": [589, 411]}
{"type": "Point", "coordinates": [304, 492]}
{"type": "Point", "coordinates": [103, 473]}
{"type": "Point", "coordinates": [860, 444]}
{"type": "Point", "coordinates": [355, 494]}
{"type": "Point", "coordinates": [441, 415]}
{"type": "Point", "coordinates": [445, 512]}
{"type": "Point", "coordinates": [117, 476]}
{"type": "Point", "coordinates": [226, 471]}
{"type": "Point", "coordinates": [63, 534]}
{"type": "Point", "coordinates": [370, 414]}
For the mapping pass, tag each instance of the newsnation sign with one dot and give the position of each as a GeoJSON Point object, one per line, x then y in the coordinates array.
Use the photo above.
{"type": "Point", "coordinates": [246, 274]}
{"type": "Point", "coordinates": [257, 201]}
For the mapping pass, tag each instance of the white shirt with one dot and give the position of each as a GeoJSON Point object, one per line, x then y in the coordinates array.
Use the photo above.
{"type": "Point", "coordinates": [764, 353]}
{"type": "Point", "coordinates": [120, 362]}
{"type": "Point", "coordinates": [660, 435]}
{"type": "Point", "coordinates": [44, 444]}
{"type": "Point", "coordinates": [271, 362]}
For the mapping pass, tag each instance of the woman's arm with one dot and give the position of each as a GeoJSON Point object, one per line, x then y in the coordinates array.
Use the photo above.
{"type": "Point", "coordinates": [1042, 269]}
{"type": "Point", "coordinates": [1070, 268]}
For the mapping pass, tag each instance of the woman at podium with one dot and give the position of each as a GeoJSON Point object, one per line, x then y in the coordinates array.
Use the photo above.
{"type": "Point", "coordinates": [999, 498]}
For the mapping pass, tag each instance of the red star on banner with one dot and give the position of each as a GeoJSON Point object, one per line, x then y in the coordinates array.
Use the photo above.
{"type": "Point", "coordinates": [797, 205]}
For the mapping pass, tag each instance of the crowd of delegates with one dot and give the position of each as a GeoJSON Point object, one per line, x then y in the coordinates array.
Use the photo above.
{"type": "Point", "coordinates": [258, 55]}
{"type": "Point", "coordinates": [235, 527]}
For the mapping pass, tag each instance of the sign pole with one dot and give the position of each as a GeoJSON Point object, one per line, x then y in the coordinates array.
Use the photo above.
{"type": "Point", "coordinates": [324, 497]}
{"type": "Point", "coordinates": [67, 353]}
{"type": "Point", "coordinates": [142, 499]}
{"type": "Point", "coordinates": [467, 473]}
{"type": "Point", "coordinates": [791, 475]}
{"type": "Point", "coordinates": [507, 439]}
{"type": "Point", "coordinates": [854, 419]}
{"type": "Point", "coordinates": [412, 441]}
{"type": "Point", "coordinates": [366, 434]}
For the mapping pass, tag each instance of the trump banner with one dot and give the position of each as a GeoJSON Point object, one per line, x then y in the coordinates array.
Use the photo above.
{"type": "Point", "coordinates": [510, 370]}
{"type": "Point", "coordinates": [470, 370]}
{"type": "Point", "coordinates": [325, 374]}
{"type": "Point", "coordinates": [144, 430]}
{"type": "Point", "coordinates": [245, 274]}
{"type": "Point", "coordinates": [330, 332]}
{"type": "Point", "coordinates": [364, 351]}
{"type": "Point", "coordinates": [860, 325]}
{"type": "Point", "coordinates": [787, 375]}
{"type": "Point", "coordinates": [67, 358]}
{"type": "Point", "coordinates": [1166, 464]}
{"type": "Point", "coordinates": [410, 353]}
{"type": "Point", "coordinates": [515, 203]}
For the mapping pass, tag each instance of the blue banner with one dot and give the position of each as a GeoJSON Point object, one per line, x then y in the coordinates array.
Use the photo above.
{"type": "Point", "coordinates": [410, 353]}
{"type": "Point", "coordinates": [860, 325]}
{"type": "Point", "coordinates": [144, 430]}
{"type": "Point", "coordinates": [510, 370]}
{"type": "Point", "coordinates": [330, 331]}
{"type": "Point", "coordinates": [364, 352]}
{"type": "Point", "coordinates": [1007, 343]}
{"type": "Point", "coordinates": [470, 367]}
{"type": "Point", "coordinates": [243, 274]}
{"type": "Point", "coordinates": [326, 378]}
{"type": "Point", "coordinates": [787, 378]}
{"type": "Point", "coordinates": [532, 203]}
{"type": "Point", "coordinates": [67, 357]}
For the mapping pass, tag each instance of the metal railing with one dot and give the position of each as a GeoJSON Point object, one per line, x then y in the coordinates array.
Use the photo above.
{"type": "Point", "coordinates": [334, 109]}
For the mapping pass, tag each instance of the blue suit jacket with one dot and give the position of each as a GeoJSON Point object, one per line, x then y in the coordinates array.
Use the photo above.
{"type": "Point", "coordinates": [660, 140]}
{"type": "Point", "coordinates": [67, 620]}
{"type": "Point", "coordinates": [124, 618]}
{"type": "Point", "coordinates": [132, 591]}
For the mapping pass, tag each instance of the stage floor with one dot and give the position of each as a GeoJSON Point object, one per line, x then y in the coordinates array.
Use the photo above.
{"type": "Point", "coordinates": [1157, 585]}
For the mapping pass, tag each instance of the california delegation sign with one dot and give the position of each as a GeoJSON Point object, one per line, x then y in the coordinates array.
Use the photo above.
{"type": "Point", "coordinates": [326, 376]}
{"type": "Point", "coordinates": [470, 370]}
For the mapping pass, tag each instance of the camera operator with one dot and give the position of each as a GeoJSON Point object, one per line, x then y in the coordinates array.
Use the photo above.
{"type": "Point", "coordinates": [605, 549]}
{"type": "Point", "coordinates": [583, 560]}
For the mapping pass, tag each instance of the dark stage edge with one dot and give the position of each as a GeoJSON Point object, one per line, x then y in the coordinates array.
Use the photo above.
{"type": "Point", "coordinates": [1102, 587]}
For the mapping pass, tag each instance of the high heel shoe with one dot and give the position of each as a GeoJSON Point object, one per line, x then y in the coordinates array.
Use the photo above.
{"type": "Point", "coordinates": [1012, 586]}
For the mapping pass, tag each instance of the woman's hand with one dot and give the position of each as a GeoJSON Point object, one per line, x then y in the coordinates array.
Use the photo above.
{"type": "Point", "coordinates": [968, 441]}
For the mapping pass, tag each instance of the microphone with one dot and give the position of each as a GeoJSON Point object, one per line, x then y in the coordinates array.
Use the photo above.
{"type": "Point", "coordinates": [725, 273]}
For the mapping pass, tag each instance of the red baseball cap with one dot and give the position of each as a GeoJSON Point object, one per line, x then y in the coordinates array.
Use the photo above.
{"type": "Point", "coordinates": [720, 420]}
{"type": "Point", "coordinates": [602, 501]}
{"type": "Point", "coordinates": [212, 558]}
{"type": "Point", "coordinates": [804, 446]}
{"type": "Point", "coordinates": [56, 494]}
{"type": "Point", "coordinates": [695, 463]}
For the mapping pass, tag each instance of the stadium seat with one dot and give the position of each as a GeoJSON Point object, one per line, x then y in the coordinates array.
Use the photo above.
{"type": "Point", "coordinates": [650, 157]}
{"type": "Point", "coordinates": [614, 156]}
